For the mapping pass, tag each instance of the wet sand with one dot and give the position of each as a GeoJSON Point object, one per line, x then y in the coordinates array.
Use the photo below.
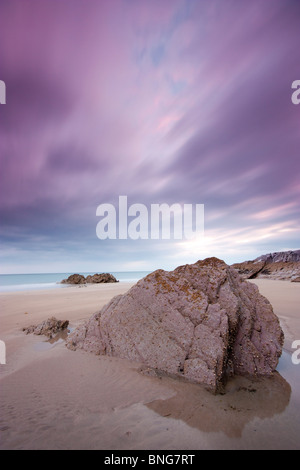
{"type": "Point", "coordinates": [54, 398]}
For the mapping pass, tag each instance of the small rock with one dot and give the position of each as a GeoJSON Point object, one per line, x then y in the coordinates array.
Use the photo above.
{"type": "Point", "coordinates": [101, 278]}
{"type": "Point", "coordinates": [48, 327]}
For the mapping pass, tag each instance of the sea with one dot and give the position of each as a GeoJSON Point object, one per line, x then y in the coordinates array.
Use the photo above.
{"type": "Point", "coordinates": [24, 282]}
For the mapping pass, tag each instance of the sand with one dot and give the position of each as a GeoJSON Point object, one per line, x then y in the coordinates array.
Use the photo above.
{"type": "Point", "coordinates": [54, 398]}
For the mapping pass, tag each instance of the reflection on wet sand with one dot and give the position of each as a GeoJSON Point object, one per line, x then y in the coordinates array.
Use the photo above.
{"type": "Point", "coordinates": [60, 337]}
{"type": "Point", "coordinates": [244, 400]}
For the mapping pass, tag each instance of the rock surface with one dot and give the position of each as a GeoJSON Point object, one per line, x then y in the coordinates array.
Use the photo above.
{"type": "Point", "coordinates": [284, 266]}
{"type": "Point", "coordinates": [201, 322]}
{"type": "Point", "coordinates": [94, 279]}
{"type": "Point", "coordinates": [48, 327]}
{"type": "Point", "coordinates": [99, 278]}
{"type": "Point", "coordinates": [74, 279]}
{"type": "Point", "coordinates": [281, 256]}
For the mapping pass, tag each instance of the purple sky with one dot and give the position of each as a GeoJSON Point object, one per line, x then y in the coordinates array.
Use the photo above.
{"type": "Point", "coordinates": [162, 101]}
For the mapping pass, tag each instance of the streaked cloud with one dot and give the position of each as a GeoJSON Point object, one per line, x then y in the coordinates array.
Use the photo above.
{"type": "Point", "coordinates": [163, 101]}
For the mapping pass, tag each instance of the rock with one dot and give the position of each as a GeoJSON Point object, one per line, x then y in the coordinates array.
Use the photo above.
{"type": "Point", "coordinates": [74, 279]}
{"type": "Point", "coordinates": [281, 270]}
{"type": "Point", "coordinates": [296, 279]}
{"type": "Point", "coordinates": [99, 278]}
{"type": "Point", "coordinates": [283, 266]}
{"type": "Point", "coordinates": [200, 322]}
{"type": "Point", "coordinates": [281, 256]}
{"type": "Point", "coordinates": [249, 269]}
{"type": "Point", "coordinates": [94, 279]}
{"type": "Point", "coordinates": [48, 328]}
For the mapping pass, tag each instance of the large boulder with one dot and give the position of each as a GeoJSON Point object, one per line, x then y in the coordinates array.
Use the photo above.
{"type": "Point", "coordinates": [200, 321]}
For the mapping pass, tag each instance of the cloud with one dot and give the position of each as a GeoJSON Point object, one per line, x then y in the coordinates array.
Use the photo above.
{"type": "Point", "coordinates": [161, 101]}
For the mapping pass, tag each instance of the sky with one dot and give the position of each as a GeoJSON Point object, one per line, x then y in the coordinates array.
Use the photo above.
{"type": "Point", "coordinates": [162, 101]}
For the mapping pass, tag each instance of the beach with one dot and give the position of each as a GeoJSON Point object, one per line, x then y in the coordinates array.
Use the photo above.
{"type": "Point", "coordinates": [54, 398]}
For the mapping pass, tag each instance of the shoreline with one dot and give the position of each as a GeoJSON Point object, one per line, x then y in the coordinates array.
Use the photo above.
{"type": "Point", "coordinates": [22, 288]}
{"type": "Point", "coordinates": [47, 281]}
{"type": "Point", "coordinates": [58, 286]}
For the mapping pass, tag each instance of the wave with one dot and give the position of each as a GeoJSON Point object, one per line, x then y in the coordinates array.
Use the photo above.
{"type": "Point", "coordinates": [22, 287]}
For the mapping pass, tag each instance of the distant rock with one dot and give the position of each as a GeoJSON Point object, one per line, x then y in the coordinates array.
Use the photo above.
{"type": "Point", "coordinates": [99, 278]}
{"type": "Point", "coordinates": [201, 322]}
{"type": "Point", "coordinates": [74, 279]}
{"type": "Point", "coordinates": [283, 266]}
{"type": "Point", "coordinates": [94, 279]}
{"type": "Point", "coordinates": [48, 327]}
{"type": "Point", "coordinates": [281, 256]}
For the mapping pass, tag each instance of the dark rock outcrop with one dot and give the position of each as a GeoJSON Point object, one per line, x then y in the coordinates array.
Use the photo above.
{"type": "Point", "coordinates": [101, 278]}
{"type": "Point", "coordinates": [74, 279]}
{"type": "Point", "coordinates": [94, 279]}
{"type": "Point", "coordinates": [201, 322]}
{"type": "Point", "coordinates": [281, 256]}
{"type": "Point", "coordinates": [283, 266]}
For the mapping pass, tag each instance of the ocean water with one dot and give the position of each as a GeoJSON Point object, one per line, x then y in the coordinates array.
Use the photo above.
{"type": "Point", "coordinates": [21, 282]}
